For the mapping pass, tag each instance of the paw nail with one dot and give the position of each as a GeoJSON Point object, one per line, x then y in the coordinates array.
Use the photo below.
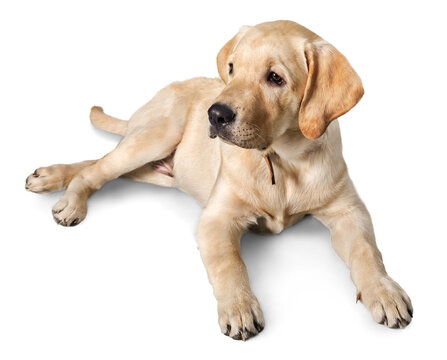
{"type": "Point", "coordinates": [397, 325]}
{"type": "Point", "coordinates": [258, 327]}
{"type": "Point", "coordinates": [228, 330]}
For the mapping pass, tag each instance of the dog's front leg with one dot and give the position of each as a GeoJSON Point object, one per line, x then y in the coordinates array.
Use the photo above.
{"type": "Point", "coordinates": [353, 239]}
{"type": "Point", "coordinates": [219, 234]}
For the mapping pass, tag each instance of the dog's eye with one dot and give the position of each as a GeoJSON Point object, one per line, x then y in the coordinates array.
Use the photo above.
{"type": "Point", "coordinates": [276, 79]}
{"type": "Point", "coordinates": [230, 68]}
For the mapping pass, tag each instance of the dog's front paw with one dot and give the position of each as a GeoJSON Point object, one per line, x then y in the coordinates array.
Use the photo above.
{"type": "Point", "coordinates": [240, 316]}
{"type": "Point", "coordinates": [388, 302]}
{"type": "Point", "coordinates": [46, 179]}
{"type": "Point", "coordinates": [70, 210]}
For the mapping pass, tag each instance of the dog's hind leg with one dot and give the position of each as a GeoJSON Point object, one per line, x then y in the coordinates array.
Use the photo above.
{"type": "Point", "coordinates": [155, 141]}
{"type": "Point", "coordinates": [153, 172]}
{"type": "Point", "coordinates": [55, 177]}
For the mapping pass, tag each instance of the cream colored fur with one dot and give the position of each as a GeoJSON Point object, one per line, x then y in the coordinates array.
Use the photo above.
{"type": "Point", "coordinates": [292, 124]}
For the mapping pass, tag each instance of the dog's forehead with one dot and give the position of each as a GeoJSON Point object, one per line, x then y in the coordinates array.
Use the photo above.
{"type": "Point", "coordinates": [285, 28]}
{"type": "Point", "coordinates": [260, 38]}
{"type": "Point", "coordinates": [278, 41]}
{"type": "Point", "coordinates": [258, 46]}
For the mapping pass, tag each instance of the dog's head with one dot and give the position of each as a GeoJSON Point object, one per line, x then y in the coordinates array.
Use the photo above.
{"type": "Point", "coordinates": [280, 76]}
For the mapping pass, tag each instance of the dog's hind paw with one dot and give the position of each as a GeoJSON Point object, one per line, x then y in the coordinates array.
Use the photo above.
{"type": "Point", "coordinates": [70, 210]}
{"type": "Point", "coordinates": [46, 179]}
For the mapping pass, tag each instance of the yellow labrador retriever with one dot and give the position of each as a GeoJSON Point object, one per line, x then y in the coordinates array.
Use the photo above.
{"type": "Point", "coordinates": [259, 149]}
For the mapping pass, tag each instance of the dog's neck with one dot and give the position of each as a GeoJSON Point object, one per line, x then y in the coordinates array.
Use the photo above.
{"type": "Point", "coordinates": [291, 147]}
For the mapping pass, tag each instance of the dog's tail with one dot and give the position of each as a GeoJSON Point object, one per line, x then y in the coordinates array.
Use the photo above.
{"type": "Point", "coordinates": [105, 122]}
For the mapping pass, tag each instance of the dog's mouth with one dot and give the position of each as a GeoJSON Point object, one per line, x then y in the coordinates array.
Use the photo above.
{"type": "Point", "coordinates": [239, 142]}
{"type": "Point", "coordinates": [213, 133]}
{"type": "Point", "coordinates": [228, 141]}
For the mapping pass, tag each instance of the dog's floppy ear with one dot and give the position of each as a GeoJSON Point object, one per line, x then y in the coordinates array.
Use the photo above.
{"type": "Point", "coordinates": [332, 89]}
{"type": "Point", "coordinates": [222, 57]}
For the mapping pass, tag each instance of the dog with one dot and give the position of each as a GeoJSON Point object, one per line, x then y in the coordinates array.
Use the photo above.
{"type": "Point", "coordinates": [259, 148]}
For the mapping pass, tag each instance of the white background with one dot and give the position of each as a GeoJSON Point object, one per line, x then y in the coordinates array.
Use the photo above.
{"type": "Point", "coordinates": [128, 283]}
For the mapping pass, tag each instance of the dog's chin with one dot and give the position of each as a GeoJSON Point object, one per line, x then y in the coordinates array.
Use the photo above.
{"type": "Point", "coordinates": [244, 144]}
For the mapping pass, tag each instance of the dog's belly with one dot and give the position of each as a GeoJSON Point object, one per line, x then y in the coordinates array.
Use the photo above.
{"type": "Point", "coordinates": [165, 166]}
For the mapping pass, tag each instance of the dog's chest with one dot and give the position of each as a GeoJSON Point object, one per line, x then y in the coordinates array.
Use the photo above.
{"type": "Point", "coordinates": [296, 192]}
{"type": "Point", "coordinates": [275, 224]}
{"type": "Point", "coordinates": [282, 204]}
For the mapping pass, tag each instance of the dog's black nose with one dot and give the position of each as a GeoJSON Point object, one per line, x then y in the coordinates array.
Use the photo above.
{"type": "Point", "coordinates": [220, 115]}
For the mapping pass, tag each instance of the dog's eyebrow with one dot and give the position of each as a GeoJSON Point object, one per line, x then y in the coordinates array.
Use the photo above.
{"type": "Point", "coordinates": [280, 65]}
